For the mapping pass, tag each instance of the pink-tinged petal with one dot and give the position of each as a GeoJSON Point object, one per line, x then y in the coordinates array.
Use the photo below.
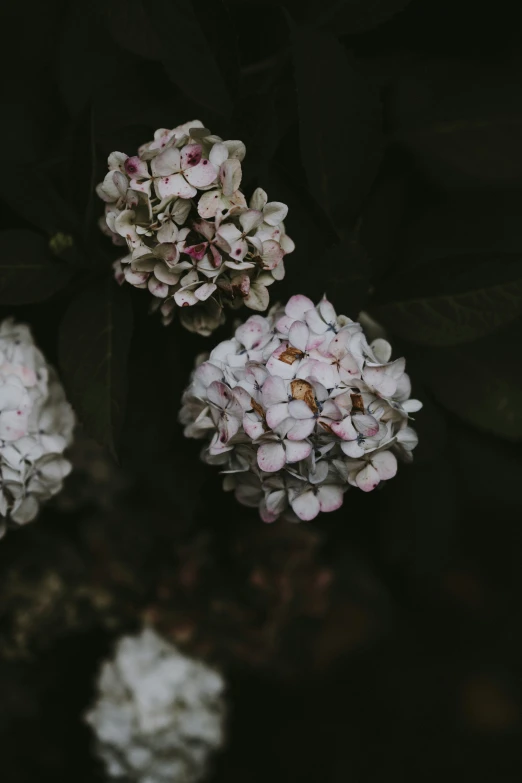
{"type": "Point", "coordinates": [297, 306]}
{"type": "Point", "coordinates": [352, 448]}
{"type": "Point", "coordinates": [157, 288]}
{"type": "Point", "coordinates": [218, 154]}
{"type": "Point", "coordinates": [276, 414]}
{"type": "Point", "coordinates": [196, 251]}
{"type": "Point", "coordinates": [385, 464]}
{"type": "Point", "coordinates": [230, 176]}
{"type": "Point", "coordinates": [298, 335]}
{"type": "Point", "coordinates": [344, 429]}
{"type": "Point", "coordinates": [165, 275]}
{"type": "Point", "coordinates": [166, 163]}
{"type": "Point", "coordinates": [271, 254]}
{"type": "Point", "coordinates": [135, 278]}
{"type": "Point", "coordinates": [207, 373]}
{"type": "Point", "coordinates": [266, 515]}
{"type": "Point", "coordinates": [283, 324]}
{"type": "Point", "coordinates": [287, 244]}
{"type": "Point", "coordinates": [298, 409]}
{"type": "Point", "coordinates": [330, 497]}
{"type": "Point", "coordinates": [297, 450]}
{"type": "Point", "coordinates": [253, 426]}
{"type": "Point", "coordinates": [227, 236]}
{"type": "Point", "coordinates": [250, 219]}
{"type": "Point", "coordinates": [325, 373]}
{"type": "Point", "coordinates": [205, 290]}
{"type": "Point", "coordinates": [348, 368]}
{"type": "Point", "coordinates": [136, 168]}
{"type": "Point", "coordinates": [339, 344]}
{"type": "Point", "coordinates": [306, 506]}
{"type": "Point", "coordinates": [215, 257]}
{"type": "Point", "coordinates": [271, 457]}
{"type": "Point", "coordinates": [185, 298]}
{"type": "Point", "coordinates": [300, 429]}
{"type": "Point", "coordinates": [274, 391]}
{"type": "Point", "coordinates": [366, 424]}
{"type": "Point", "coordinates": [228, 427]}
{"type": "Point", "coordinates": [201, 175]}
{"type": "Point", "coordinates": [253, 332]}
{"type": "Point", "coordinates": [205, 228]}
{"type": "Point", "coordinates": [219, 394]}
{"type": "Point", "coordinates": [274, 213]}
{"type": "Point", "coordinates": [190, 156]}
{"type": "Point", "coordinates": [175, 185]}
{"type": "Point", "coordinates": [367, 479]}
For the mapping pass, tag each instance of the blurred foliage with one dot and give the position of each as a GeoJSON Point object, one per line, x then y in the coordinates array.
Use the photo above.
{"type": "Point", "coordinates": [382, 643]}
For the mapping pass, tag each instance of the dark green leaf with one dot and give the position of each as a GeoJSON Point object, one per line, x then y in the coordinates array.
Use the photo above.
{"type": "Point", "coordinates": [339, 126]}
{"type": "Point", "coordinates": [485, 299]}
{"type": "Point", "coordinates": [481, 383]}
{"type": "Point", "coordinates": [94, 344]}
{"type": "Point", "coordinates": [28, 271]}
{"type": "Point", "coordinates": [186, 55]}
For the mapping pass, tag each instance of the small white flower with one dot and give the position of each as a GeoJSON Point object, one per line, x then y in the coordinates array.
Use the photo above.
{"type": "Point", "coordinates": [193, 241]}
{"type": "Point", "coordinates": [159, 715]}
{"type": "Point", "coordinates": [297, 407]}
{"type": "Point", "coordinates": [36, 425]}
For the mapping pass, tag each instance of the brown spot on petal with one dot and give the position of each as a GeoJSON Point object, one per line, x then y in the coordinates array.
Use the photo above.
{"type": "Point", "coordinates": [302, 390]}
{"type": "Point", "coordinates": [357, 403]}
{"type": "Point", "coordinates": [326, 427]}
{"type": "Point", "coordinates": [260, 412]}
{"type": "Point", "coordinates": [290, 355]}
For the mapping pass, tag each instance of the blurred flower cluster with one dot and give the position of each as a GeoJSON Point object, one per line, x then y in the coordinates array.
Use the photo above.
{"type": "Point", "coordinates": [159, 713]}
{"type": "Point", "coordinates": [192, 238]}
{"type": "Point", "coordinates": [36, 426]}
{"type": "Point", "coordinates": [297, 407]}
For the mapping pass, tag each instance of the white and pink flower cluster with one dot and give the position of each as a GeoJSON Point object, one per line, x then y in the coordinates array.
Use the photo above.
{"type": "Point", "coordinates": [297, 407]}
{"type": "Point", "coordinates": [192, 238]}
{"type": "Point", "coordinates": [36, 426]}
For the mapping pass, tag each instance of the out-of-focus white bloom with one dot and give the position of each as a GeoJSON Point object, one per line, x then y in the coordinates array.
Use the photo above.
{"type": "Point", "coordinates": [192, 239]}
{"type": "Point", "coordinates": [297, 407]}
{"type": "Point", "coordinates": [36, 426]}
{"type": "Point", "coordinates": [159, 714]}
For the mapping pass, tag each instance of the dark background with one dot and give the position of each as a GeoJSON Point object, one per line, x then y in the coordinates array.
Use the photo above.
{"type": "Point", "coordinates": [384, 641]}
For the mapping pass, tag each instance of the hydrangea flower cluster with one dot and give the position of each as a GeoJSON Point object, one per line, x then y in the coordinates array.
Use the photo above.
{"type": "Point", "coordinates": [36, 426]}
{"type": "Point", "coordinates": [159, 714]}
{"type": "Point", "coordinates": [297, 407]}
{"type": "Point", "coordinates": [192, 238]}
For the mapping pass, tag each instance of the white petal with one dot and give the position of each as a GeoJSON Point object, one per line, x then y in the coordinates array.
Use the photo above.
{"type": "Point", "coordinates": [258, 297]}
{"type": "Point", "coordinates": [250, 219]}
{"type": "Point", "coordinates": [366, 424]}
{"type": "Point", "coordinates": [274, 213]}
{"type": "Point", "coordinates": [298, 335]}
{"type": "Point", "coordinates": [166, 163]}
{"type": "Point", "coordinates": [412, 406]}
{"type": "Point", "coordinates": [271, 457]}
{"type": "Point", "coordinates": [205, 290]}
{"type": "Point", "coordinates": [300, 429]}
{"type": "Point", "coordinates": [385, 464]}
{"type": "Point", "coordinates": [218, 154]}
{"type": "Point", "coordinates": [297, 306]}
{"type": "Point", "coordinates": [330, 497]}
{"type": "Point", "coordinates": [297, 450]}
{"type": "Point", "coordinates": [161, 290]}
{"type": "Point", "coordinates": [230, 176]}
{"type": "Point", "coordinates": [259, 199]}
{"type": "Point", "coordinates": [367, 479]}
{"type": "Point", "coordinates": [306, 506]}
{"type": "Point", "coordinates": [344, 429]}
{"type": "Point", "coordinates": [185, 298]}
{"type": "Point", "coordinates": [298, 409]}
{"type": "Point", "coordinates": [277, 413]}
{"type": "Point", "coordinates": [382, 350]}
{"type": "Point", "coordinates": [175, 185]}
{"type": "Point", "coordinates": [274, 391]}
{"type": "Point", "coordinates": [201, 175]}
